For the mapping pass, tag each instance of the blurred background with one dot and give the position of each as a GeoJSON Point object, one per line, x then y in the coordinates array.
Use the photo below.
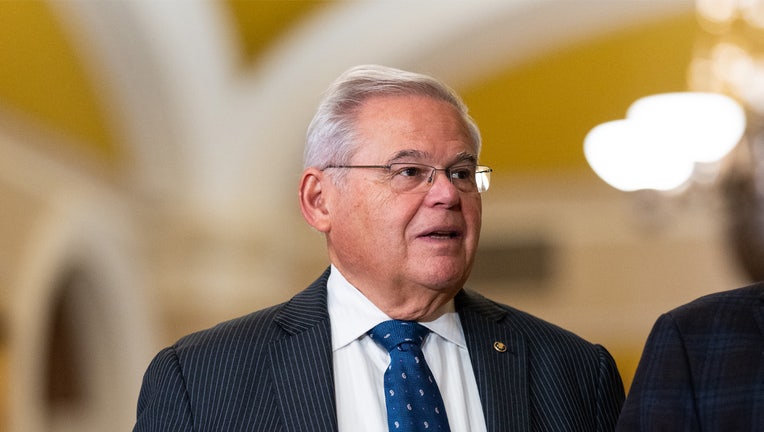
{"type": "Point", "coordinates": [150, 153]}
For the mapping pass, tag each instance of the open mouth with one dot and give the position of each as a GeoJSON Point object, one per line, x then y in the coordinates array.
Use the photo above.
{"type": "Point", "coordinates": [442, 234]}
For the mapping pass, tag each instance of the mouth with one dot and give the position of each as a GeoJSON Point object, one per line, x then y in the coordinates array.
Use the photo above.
{"type": "Point", "coordinates": [442, 234]}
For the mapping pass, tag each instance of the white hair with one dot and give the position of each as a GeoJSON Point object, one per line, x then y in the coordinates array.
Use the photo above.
{"type": "Point", "coordinates": [331, 136]}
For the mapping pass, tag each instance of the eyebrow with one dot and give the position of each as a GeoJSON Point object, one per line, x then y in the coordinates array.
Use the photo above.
{"type": "Point", "coordinates": [403, 154]}
{"type": "Point", "coordinates": [418, 154]}
{"type": "Point", "coordinates": [466, 157]}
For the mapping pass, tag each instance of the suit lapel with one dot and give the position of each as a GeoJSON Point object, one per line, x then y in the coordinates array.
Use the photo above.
{"type": "Point", "coordinates": [302, 362]}
{"type": "Point", "coordinates": [499, 360]}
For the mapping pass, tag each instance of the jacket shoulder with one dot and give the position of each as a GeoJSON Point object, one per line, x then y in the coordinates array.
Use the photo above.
{"type": "Point", "coordinates": [747, 296]}
{"type": "Point", "coordinates": [249, 330]}
{"type": "Point", "coordinates": [714, 312]}
{"type": "Point", "coordinates": [254, 330]}
{"type": "Point", "coordinates": [532, 328]}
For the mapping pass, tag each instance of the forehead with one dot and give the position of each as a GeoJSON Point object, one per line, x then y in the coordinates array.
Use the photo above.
{"type": "Point", "coordinates": [411, 124]}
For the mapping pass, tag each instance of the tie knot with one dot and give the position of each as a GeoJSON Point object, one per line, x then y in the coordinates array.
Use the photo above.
{"type": "Point", "coordinates": [397, 333]}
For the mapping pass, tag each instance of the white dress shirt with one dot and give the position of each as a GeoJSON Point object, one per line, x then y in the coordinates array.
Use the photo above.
{"type": "Point", "coordinates": [359, 363]}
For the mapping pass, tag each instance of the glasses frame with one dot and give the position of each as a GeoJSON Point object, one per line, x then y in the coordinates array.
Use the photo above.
{"type": "Point", "coordinates": [482, 173]}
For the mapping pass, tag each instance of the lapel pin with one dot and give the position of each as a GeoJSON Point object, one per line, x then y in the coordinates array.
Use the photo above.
{"type": "Point", "coordinates": [499, 346]}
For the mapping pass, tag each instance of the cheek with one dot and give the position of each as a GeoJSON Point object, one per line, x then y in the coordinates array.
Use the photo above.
{"type": "Point", "coordinates": [364, 214]}
{"type": "Point", "coordinates": [474, 216]}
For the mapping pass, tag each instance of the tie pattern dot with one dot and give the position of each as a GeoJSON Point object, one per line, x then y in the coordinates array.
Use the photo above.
{"type": "Point", "coordinates": [414, 403]}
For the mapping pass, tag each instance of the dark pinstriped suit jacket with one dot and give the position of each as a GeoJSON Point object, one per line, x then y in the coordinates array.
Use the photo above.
{"type": "Point", "coordinates": [272, 371]}
{"type": "Point", "coordinates": [702, 368]}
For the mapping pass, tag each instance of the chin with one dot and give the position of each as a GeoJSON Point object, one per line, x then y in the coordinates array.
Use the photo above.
{"type": "Point", "coordinates": [446, 280]}
{"type": "Point", "coordinates": [441, 273]}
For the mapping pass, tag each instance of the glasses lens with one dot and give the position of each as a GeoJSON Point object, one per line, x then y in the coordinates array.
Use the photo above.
{"type": "Point", "coordinates": [463, 177]}
{"type": "Point", "coordinates": [409, 177]}
{"type": "Point", "coordinates": [483, 178]}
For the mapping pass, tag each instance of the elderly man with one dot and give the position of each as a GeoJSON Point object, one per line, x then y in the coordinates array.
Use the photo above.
{"type": "Point", "coordinates": [387, 338]}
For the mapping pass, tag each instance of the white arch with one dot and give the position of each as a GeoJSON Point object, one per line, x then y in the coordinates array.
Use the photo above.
{"type": "Point", "coordinates": [163, 69]}
{"type": "Point", "coordinates": [82, 226]}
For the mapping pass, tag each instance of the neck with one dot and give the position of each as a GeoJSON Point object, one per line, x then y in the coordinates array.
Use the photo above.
{"type": "Point", "coordinates": [403, 299]}
{"type": "Point", "coordinates": [412, 304]}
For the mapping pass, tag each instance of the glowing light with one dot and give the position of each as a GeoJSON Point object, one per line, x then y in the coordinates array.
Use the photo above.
{"type": "Point", "coordinates": [753, 13]}
{"type": "Point", "coordinates": [629, 157]}
{"type": "Point", "coordinates": [719, 11]}
{"type": "Point", "coordinates": [662, 138]}
{"type": "Point", "coordinates": [704, 127]}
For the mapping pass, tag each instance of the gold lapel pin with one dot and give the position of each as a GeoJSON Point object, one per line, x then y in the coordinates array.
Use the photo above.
{"type": "Point", "coordinates": [499, 346]}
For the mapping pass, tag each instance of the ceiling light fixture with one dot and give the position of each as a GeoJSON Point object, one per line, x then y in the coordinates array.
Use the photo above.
{"type": "Point", "coordinates": [663, 139]}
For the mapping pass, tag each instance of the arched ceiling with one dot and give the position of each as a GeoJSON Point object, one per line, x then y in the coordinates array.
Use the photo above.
{"type": "Point", "coordinates": [533, 114]}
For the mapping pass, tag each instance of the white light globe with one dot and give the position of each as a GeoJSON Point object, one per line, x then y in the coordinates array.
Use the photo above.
{"type": "Point", "coordinates": [662, 138]}
{"type": "Point", "coordinates": [630, 157]}
{"type": "Point", "coordinates": [705, 126]}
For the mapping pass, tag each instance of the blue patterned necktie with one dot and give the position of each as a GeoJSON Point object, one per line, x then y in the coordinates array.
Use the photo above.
{"type": "Point", "coordinates": [411, 394]}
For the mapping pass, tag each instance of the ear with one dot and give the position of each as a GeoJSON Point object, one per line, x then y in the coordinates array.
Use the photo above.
{"type": "Point", "coordinates": [313, 199]}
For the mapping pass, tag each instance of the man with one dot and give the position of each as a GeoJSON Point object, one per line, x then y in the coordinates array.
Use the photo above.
{"type": "Point", "coordinates": [392, 180]}
{"type": "Point", "coordinates": [702, 367]}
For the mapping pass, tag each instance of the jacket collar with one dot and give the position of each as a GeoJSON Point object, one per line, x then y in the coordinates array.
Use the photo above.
{"type": "Point", "coordinates": [301, 360]}
{"type": "Point", "coordinates": [499, 360]}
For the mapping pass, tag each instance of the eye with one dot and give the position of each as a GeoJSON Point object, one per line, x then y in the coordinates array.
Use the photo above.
{"type": "Point", "coordinates": [462, 172]}
{"type": "Point", "coordinates": [406, 170]}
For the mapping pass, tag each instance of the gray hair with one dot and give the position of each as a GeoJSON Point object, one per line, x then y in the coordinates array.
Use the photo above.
{"type": "Point", "coordinates": [331, 136]}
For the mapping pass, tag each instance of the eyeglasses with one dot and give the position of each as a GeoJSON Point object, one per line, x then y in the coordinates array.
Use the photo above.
{"type": "Point", "coordinates": [406, 177]}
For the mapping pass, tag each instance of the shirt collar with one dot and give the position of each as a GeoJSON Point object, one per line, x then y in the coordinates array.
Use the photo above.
{"type": "Point", "coordinates": [351, 315]}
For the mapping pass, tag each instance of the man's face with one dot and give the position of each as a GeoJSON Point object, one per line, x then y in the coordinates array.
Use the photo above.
{"type": "Point", "coordinates": [425, 240]}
